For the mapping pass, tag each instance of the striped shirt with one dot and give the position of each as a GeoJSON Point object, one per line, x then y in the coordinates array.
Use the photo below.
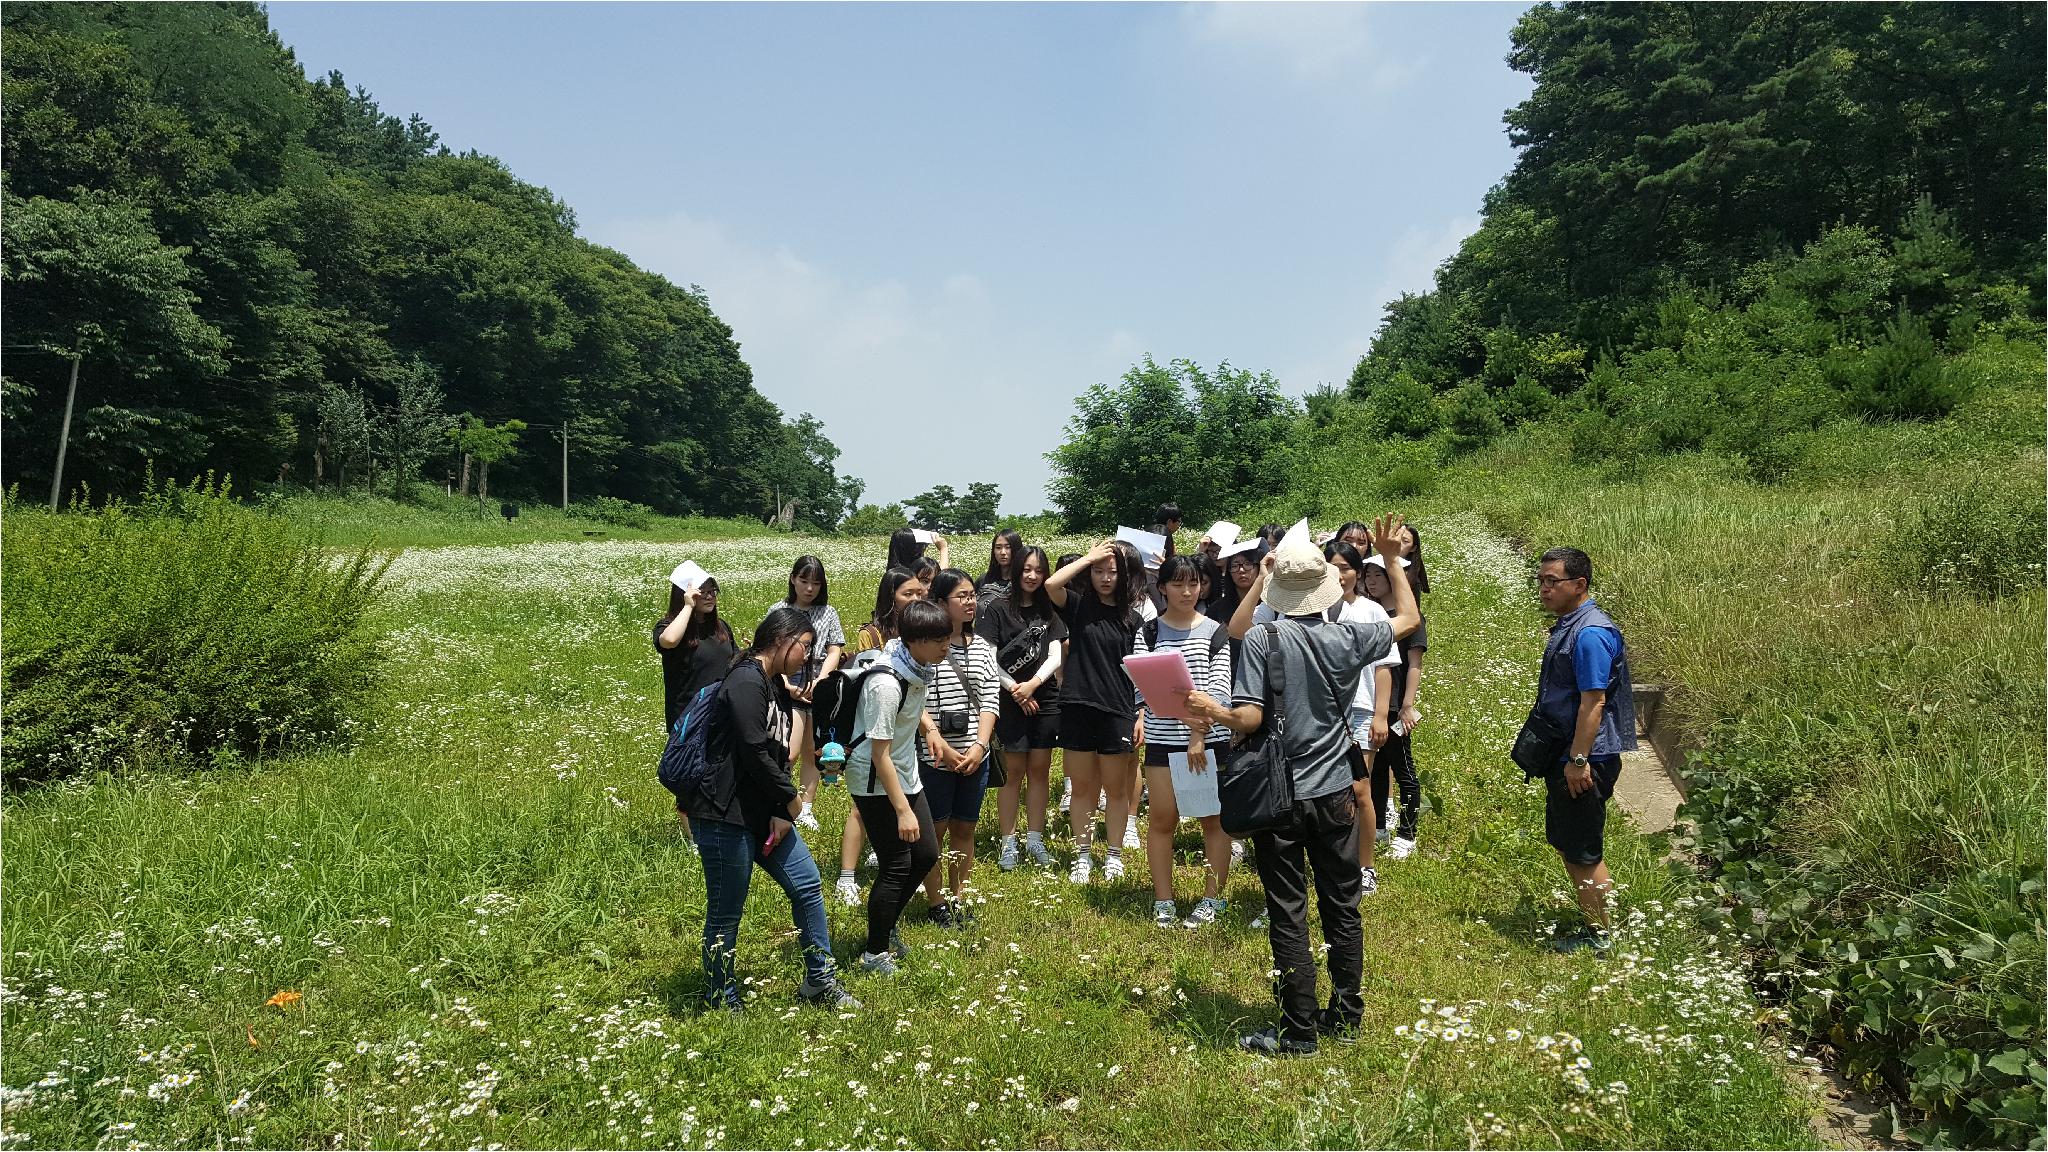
{"type": "Point", "coordinates": [1211, 677]}
{"type": "Point", "coordinates": [949, 692]}
{"type": "Point", "coordinates": [825, 623]}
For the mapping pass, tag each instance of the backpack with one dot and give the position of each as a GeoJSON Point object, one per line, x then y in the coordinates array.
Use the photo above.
{"type": "Point", "coordinates": [685, 761]}
{"type": "Point", "coordinates": [1217, 639]}
{"type": "Point", "coordinates": [836, 699]}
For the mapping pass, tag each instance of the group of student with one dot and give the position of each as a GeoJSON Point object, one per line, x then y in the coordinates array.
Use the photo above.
{"type": "Point", "coordinates": [970, 683]}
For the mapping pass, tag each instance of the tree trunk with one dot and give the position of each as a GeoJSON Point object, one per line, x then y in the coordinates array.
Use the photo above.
{"type": "Point", "coordinates": [319, 462]}
{"type": "Point", "coordinates": [483, 481]}
{"type": "Point", "coordinates": [464, 485]}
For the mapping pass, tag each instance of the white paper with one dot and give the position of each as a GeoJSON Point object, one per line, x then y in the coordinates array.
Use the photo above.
{"type": "Point", "coordinates": [924, 535]}
{"type": "Point", "coordinates": [1223, 533]}
{"type": "Point", "coordinates": [1151, 546]}
{"type": "Point", "coordinates": [1194, 793]}
{"type": "Point", "coordinates": [1297, 535]}
{"type": "Point", "coordinates": [687, 575]}
{"type": "Point", "coordinates": [1244, 545]}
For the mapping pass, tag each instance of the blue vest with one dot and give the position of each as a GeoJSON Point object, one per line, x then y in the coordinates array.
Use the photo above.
{"type": "Point", "coordinates": [1557, 692]}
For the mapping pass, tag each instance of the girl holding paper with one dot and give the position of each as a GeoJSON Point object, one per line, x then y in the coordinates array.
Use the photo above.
{"type": "Point", "coordinates": [1098, 710]}
{"type": "Point", "coordinates": [1179, 761]}
{"type": "Point", "coordinates": [695, 647]}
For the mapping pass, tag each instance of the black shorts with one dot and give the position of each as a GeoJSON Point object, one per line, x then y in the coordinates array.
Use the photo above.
{"type": "Point", "coordinates": [1576, 826]}
{"type": "Point", "coordinates": [1096, 731]}
{"type": "Point", "coordinates": [1016, 732]}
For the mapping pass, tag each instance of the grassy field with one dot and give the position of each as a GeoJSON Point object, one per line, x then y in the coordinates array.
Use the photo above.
{"type": "Point", "coordinates": [484, 925]}
{"type": "Point", "coordinates": [433, 519]}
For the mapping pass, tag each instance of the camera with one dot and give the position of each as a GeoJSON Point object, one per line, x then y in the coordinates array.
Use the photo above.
{"type": "Point", "coordinates": [953, 723]}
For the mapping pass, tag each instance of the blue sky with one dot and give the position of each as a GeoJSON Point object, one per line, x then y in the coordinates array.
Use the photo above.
{"type": "Point", "coordinates": [934, 225]}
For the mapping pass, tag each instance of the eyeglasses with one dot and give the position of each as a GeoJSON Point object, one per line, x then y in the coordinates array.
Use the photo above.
{"type": "Point", "coordinates": [1553, 581]}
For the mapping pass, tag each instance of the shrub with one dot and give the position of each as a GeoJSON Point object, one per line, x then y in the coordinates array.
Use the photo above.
{"type": "Point", "coordinates": [182, 625]}
{"type": "Point", "coordinates": [1471, 417]}
{"type": "Point", "coordinates": [1903, 376]}
{"type": "Point", "coordinates": [614, 511]}
{"type": "Point", "coordinates": [874, 520]}
{"type": "Point", "coordinates": [1983, 538]}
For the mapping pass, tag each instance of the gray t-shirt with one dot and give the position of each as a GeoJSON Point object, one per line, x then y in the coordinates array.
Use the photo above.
{"type": "Point", "coordinates": [1315, 710]}
{"type": "Point", "coordinates": [886, 712]}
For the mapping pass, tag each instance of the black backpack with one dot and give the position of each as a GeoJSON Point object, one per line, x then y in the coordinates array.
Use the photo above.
{"type": "Point", "coordinates": [837, 698]}
{"type": "Point", "coordinates": [1217, 639]}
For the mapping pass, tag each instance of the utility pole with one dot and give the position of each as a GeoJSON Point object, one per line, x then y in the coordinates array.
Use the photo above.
{"type": "Point", "coordinates": [64, 435]}
{"type": "Point", "coordinates": [565, 465]}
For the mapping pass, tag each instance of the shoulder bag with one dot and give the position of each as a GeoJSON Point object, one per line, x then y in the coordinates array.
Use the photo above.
{"type": "Point", "coordinates": [1256, 788]}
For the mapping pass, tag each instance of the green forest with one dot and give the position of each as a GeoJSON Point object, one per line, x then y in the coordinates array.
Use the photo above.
{"type": "Point", "coordinates": [266, 276]}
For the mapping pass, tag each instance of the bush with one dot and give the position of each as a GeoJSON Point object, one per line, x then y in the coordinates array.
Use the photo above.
{"type": "Point", "coordinates": [183, 625]}
{"type": "Point", "coordinates": [1984, 539]}
{"type": "Point", "coordinates": [614, 511]}
{"type": "Point", "coordinates": [1903, 376]}
{"type": "Point", "coordinates": [874, 520]}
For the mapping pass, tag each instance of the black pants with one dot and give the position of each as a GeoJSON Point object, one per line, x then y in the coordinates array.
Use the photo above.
{"type": "Point", "coordinates": [904, 863]}
{"type": "Point", "coordinates": [1324, 838]}
{"type": "Point", "coordinates": [1395, 760]}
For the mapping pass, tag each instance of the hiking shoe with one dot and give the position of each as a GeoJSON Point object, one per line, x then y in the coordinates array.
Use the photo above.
{"type": "Point", "coordinates": [1035, 849]}
{"type": "Point", "coordinates": [878, 963]}
{"type": "Point", "coordinates": [848, 891]}
{"type": "Point", "coordinates": [1269, 1042]}
{"type": "Point", "coordinates": [1586, 940]}
{"type": "Point", "coordinates": [940, 914]}
{"type": "Point", "coordinates": [1113, 869]}
{"type": "Point", "coordinates": [1006, 859]}
{"type": "Point", "coordinates": [1131, 840]}
{"type": "Point", "coordinates": [1205, 911]}
{"type": "Point", "coordinates": [805, 820]}
{"type": "Point", "coordinates": [1368, 881]}
{"type": "Point", "coordinates": [1164, 914]}
{"type": "Point", "coordinates": [827, 996]}
{"type": "Point", "coordinates": [1334, 1029]}
{"type": "Point", "coordinates": [1083, 870]}
{"type": "Point", "coordinates": [1401, 848]}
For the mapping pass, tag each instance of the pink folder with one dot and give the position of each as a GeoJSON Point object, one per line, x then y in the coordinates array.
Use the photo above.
{"type": "Point", "coordinates": [1164, 680]}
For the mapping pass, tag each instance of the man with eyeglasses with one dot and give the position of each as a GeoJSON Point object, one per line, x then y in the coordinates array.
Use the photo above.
{"type": "Point", "coordinates": [1583, 685]}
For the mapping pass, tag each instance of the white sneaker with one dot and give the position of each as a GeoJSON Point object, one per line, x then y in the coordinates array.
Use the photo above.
{"type": "Point", "coordinates": [1205, 911]}
{"type": "Point", "coordinates": [1035, 848]}
{"type": "Point", "coordinates": [1131, 840]}
{"type": "Point", "coordinates": [1368, 881]}
{"type": "Point", "coordinates": [874, 861]}
{"type": "Point", "coordinates": [1083, 870]}
{"type": "Point", "coordinates": [1113, 868]}
{"type": "Point", "coordinates": [1258, 923]}
{"type": "Point", "coordinates": [1067, 795]}
{"type": "Point", "coordinates": [1237, 851]}
{"type": "Point", "coordinates": [1164, 914]}
{"type": "Point", "coordinates": [848, 892]}
{"type": "Point", "coordinates": [1401, 849]}
{"type": "Point", "coordinates": [805, 820]}
{"type": "Point", "coordinates": [1007, 858]}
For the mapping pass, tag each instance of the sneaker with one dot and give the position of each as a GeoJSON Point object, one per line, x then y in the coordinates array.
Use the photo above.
{"type": "Point", "coordinates": [1368, 881]}
{"type": "Point", "coordinates": [1035, 848]}
{"type": "Point", "coordinates": [1113, 868]}
{"type": "Point", "coordinates": [1380, 838]}
{"type": "Point", "coordinates": [1585, 940]}
{"type": "Point", "coordinates": [1237, 851]}
{"type": "Point", "coordinates": [1258, 923]}
{"type": "Point", "coordinates": [1402, 848]}
{"type": "Point", "coordinates": [1067, 795]}
{"type": "Point", "coordinates": [1083, 870]}
{"type": "Point", "coordinates": [897, 947]}
{"type": "Point", "coordinates": [940, 914]}
{"type": "Point", "coordinates": [1205, 911]}
{"type": "Point", "coordinates": [1329, 1027]}
{"type": "Point", "coordinates": [848, 891]}
{"type": "Point", "coordinates": [1164, 914]}
{"type": "Point", "coordinates": [878, 963]}
{"type": "Point", "coordinates": [1007, 858]}
{"type": "Point", "coordinates": [873, 860]}
{"type": "Point", "coordinates": [1131, 840]}
{"type": "Point", "coordinates": [805, 820]}
{"type": "Point", "coordinates": [1268, 1042]}
{"type": "Point", "coordinates": [827, 996]}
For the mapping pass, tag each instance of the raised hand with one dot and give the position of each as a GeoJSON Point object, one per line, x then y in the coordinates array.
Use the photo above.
{"type": "Point", "coordinates": [1386, 535]}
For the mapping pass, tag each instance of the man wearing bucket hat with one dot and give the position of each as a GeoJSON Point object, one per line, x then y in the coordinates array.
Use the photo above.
{"type": "Point", "coordinates": [1322, 662]}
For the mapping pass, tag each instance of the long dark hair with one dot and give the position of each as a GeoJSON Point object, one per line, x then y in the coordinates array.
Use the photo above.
{"type": "Point", "coordinates": [1016, 540]}
{"type": "Point", "coordinates": [809, 566]}
{"type": "Point", "coordinates": [1124, 598]}
{"type": "Point", "coordinates": [1349, 525]}
{"type": "Point", "coordinates": [885, 599]}
{"type": "Point", "coordinates": [1418, 576]}
{"type": "Point", "coordinates": [701, 624]}
{"type": "Point", "coordinates": [1269, 534]}
{"type": "Point", "coordinates": [1206, 568]}
{"type": "Point", "coordinates": [1040, 605]}
{"type": "Point", "coordinates": [1336, 548]}
{"type": "Point", "coordinates": [782, 624]}
{"type": "Point", "coordinates": [904, 550]}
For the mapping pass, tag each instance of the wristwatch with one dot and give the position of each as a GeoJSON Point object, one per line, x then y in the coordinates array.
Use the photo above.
{"type": "Point", "coordinates": [1580, 761]}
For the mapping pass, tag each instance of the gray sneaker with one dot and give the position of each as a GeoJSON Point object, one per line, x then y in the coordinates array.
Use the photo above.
{"type": "Point", "coordinates": [878, 964]}
{"type": "Point", "coordinates": [1164, 914]}
{"type": "Point", "coordinates": [827, 996]}
{"type": "Point", "coordinates": [1205, 911]}
{"type": "Point", "coordinates": [1036, 850]}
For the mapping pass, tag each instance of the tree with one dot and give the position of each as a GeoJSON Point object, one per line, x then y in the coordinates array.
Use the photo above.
{"type": "Point", "coordinates": [1126, 450]}
{"type": "Point", "coordinates": [414, 425]}
{"type": "Point", "coordinates": [486, 444]}
{"type": "Point", "coordinates": [933, 509]}
{"type": "Point", "coordinates": [345, 431]}
{"type": "Point", "coordinates": [976, 510]}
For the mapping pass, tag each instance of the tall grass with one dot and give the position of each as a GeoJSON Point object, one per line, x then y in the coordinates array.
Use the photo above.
{"type": "Point", "coordinates": [181, 625]}
{"type": "Point", "coordinates": [430, 518]}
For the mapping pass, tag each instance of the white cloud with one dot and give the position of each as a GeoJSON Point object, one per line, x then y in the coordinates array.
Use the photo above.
{"type": "Point", "coordinates": [1313, 41]}
{"type": "Point", "coordinates": [904, 375]}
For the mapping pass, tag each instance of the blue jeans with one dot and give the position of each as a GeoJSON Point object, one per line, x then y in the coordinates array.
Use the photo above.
{"type": "Point", "coordinates": [729, 855]}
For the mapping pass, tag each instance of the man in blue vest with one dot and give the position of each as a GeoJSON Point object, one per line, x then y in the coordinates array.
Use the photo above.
{"type": "Point", "coordinates": [1583, 685]}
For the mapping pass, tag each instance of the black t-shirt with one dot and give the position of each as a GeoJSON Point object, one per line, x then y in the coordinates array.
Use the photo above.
{"type": "Point", "coordinates": [685, 669]}
{"type": "Point", "coordinates": [1417, 641]}
{"type": "Point", "coordinates": [998, 621]}
{"type": "Point", "coordinates": [1095, 676]}
{"type": "Point", "coordinates": [749, 750]}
